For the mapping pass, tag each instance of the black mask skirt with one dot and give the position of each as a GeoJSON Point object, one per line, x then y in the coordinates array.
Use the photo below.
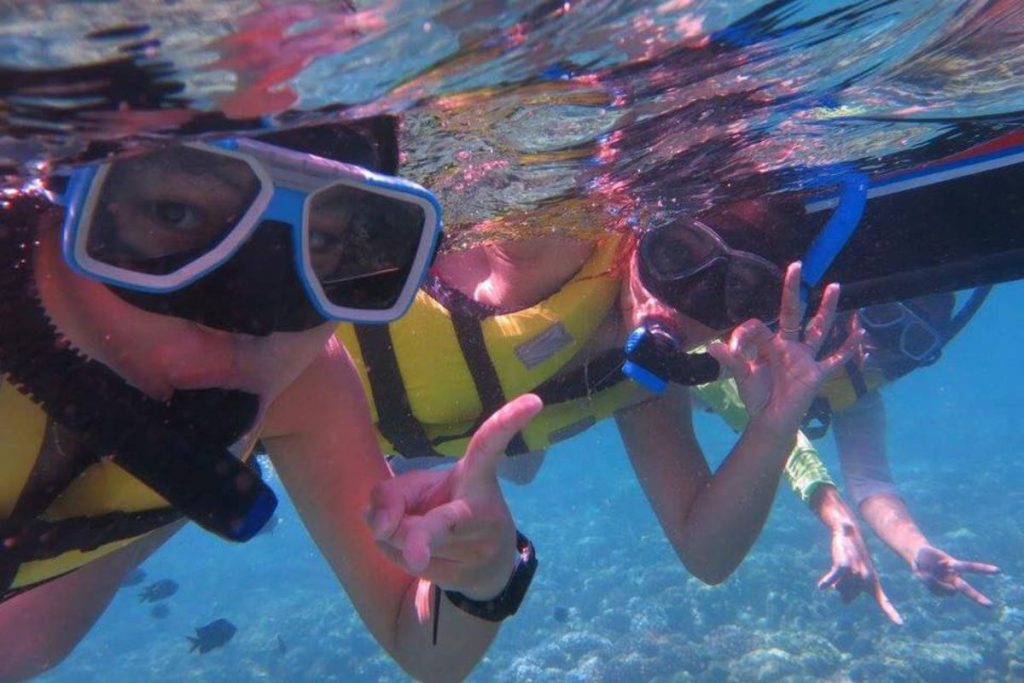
{"type": "Point", "coordinates": [178, 448]}
{"type": "Point", "coordinates": [257, 292]}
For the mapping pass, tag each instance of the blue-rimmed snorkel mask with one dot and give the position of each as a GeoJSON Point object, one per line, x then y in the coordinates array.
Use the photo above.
{"type": "Point", "coordinates": [251, 237]}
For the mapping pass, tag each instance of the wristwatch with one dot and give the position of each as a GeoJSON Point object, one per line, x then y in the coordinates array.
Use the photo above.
{"type": "Point", "coordinates": [507, 602]}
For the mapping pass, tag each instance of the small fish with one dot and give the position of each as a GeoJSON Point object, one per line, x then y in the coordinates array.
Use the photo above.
{"type": "Point", "coordinates": [133, 578]}
{"type": "Point", "coordinates": [160, 590]}
{"type": "Point", "coordinates": [561, 614]}
{"type": "Point", "coordinates": [213, 635]}
{"type": "Point", "coordinates": [160, 611]}
{"type": "Point", "coordinates": [282, 649]}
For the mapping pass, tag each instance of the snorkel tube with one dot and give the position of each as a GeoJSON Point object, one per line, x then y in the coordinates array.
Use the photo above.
{"type": "Point", "coordinates": [178, 448]}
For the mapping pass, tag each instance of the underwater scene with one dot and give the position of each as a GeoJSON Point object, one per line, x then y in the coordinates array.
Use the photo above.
{"type": "Point", "coordinates": [611, 602]}
{"type": "Point", "coordinates": [246, 247]}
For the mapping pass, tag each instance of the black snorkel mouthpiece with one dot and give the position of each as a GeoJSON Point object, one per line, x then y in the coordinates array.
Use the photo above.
{"type": "Point", "coordinates": [655, 357]}
{"type": "Point", "coordinates": [179, 448]}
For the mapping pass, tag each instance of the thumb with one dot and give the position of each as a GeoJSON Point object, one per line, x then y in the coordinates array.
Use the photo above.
{"type": "Point", "coordinates": [487, 447]}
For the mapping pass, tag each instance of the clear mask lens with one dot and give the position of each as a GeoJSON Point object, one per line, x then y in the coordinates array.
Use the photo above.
{"type": "Point", "coordinates": [362, 245]}
{"type": "Point", "coordinates": [882, 315]}
{"type": "Point", "coordinates": [672, 254]}
{"type": "Point", "coordinates": [919, 341]}
{"type": "Point", "coordinates": [155, 213]}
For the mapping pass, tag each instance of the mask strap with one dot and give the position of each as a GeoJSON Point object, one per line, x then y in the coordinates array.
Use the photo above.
{"type": "Point", "coordinates": [965, 314]}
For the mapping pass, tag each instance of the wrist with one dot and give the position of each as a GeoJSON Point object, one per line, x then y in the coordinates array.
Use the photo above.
{"type": "Point", "coordinates": [491, 586]}
{"type": "Point", "coordinates": [828, 505]}
{"type": "Point", "coordinates": [772, 433]}
{"type": "Point", "coordinates": [506, 602]}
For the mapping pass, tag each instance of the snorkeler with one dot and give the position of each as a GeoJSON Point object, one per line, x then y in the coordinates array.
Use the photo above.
{"type": "Point", "coordinates": [163, 311]}
{"type": "Point", "coordinates": [900, 337]}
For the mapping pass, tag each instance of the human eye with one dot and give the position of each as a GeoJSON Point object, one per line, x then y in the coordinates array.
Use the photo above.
{"type": "Point", "coordinates": [173, 215]}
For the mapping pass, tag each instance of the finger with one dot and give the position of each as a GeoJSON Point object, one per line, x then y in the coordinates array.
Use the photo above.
{"type": "Point", "coordinates": [749, 338]}
{"type": "Point", "coordinates": [820, 325]}
{"type": "Point", "coordinates": [791, 311]}
{"type": "Point", "coordinates": [843, 354]}
{"type": "Point", "coordinates": [832, 578]}
{"type": "Point", "coordinates": [971, 592]}
{"type": "Point", "coordinates": [392, 553]}
{"type": "Point", "coordinates": [488, 445]}
{"type": "Point", "coordinates": [974, 567]}
{"type": "Point", "coordinates": [734, 364]}
{"type": "Point", "coordinates": [388, 505]}
{"type": "Point", "coordinates": [887, 607]}
{"type": "Point", "coordinates": [422, 534]}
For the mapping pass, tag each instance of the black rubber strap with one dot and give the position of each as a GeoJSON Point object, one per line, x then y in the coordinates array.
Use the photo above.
{"type": "Point", "coordinates": [36, 540]}
{"type": "Point", "coordinates": [395, 419]}
{"type": "Point", "coordinates": [853, 373]}
{"type": "Point", "coordinates": [470, 334]}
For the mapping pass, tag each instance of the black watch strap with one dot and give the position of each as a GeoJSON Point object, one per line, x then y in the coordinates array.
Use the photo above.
{"type": "Point", "coordinates": [507, 602]}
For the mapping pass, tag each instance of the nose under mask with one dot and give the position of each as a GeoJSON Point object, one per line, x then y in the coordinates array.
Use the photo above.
{"type": "Point", "coordinates": [257, 292]}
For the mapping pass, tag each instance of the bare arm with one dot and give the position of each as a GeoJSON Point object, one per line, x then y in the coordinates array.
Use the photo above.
{"type": "Point", "coordinates": [324, 447]}
{"type": "Point", "coordinates": [860, 436]}
{"type": "Point", "coordinates": [711, 521]}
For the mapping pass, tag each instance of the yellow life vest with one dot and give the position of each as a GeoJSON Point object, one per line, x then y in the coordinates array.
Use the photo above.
{"type": "Point", "coordinates": [61, 505]}
{"type": "Point", "coordinates": [840, 392]}
{"type": "Point", "coordinates": [437, 373]}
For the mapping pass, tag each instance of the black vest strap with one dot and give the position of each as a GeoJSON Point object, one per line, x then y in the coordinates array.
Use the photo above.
{"type": "Point", "coordinates": [853, 373]}
{"type": "Point", "coordinates": [61, 458]}
{"type": "Point", "coordinates": [474, 349]}
{"type": "Point", "coordinates": [395, 419]}
{"type": "Point", "coordinates": [41, 540]}
{"type": "Point", "coordinates": [595, 376]}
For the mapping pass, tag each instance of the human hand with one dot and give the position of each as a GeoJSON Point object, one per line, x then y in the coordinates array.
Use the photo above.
{"type": "Point", "coordinates": [453, 527]}
{"type": "Point", "coordinates": [852, 571]}
{"type": "Point", "coordinates": [777, 374]}
{"type": "Point", "coordinates": [941, 572]}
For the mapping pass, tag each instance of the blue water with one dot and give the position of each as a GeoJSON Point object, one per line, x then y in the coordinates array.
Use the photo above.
{"type": "Point", "coordinates": [864, 86]}
{"type": "Point", "coordinates": [634, 613]}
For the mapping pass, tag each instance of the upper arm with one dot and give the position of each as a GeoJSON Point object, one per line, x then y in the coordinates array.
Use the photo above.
{"type": "Point", "coordinates": [860, 437]}
{"type": "Point", "coordinates": [323, 444]}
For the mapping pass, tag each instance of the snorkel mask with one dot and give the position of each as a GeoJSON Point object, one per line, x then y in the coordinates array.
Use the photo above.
{"type": "Point", "coordinates": [248, 237]}
{"type": "Point", "coordinates": [688, 266]}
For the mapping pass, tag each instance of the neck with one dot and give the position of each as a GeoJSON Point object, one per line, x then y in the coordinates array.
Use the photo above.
{"type": "Point", "coordinates": [511, 276]}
